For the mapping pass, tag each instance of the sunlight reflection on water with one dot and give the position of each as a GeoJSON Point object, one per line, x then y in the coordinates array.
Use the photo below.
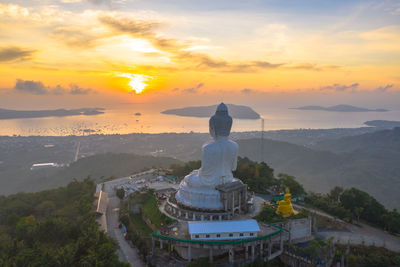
{"type": "Point", "coordinates": [124, 121]}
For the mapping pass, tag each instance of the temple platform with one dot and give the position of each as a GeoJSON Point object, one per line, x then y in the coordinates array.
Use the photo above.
{"type": "Point", "coordinates": [233, 201]}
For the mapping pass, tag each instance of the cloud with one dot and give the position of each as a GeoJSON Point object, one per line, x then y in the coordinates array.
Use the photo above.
{"type": "Point", "coordinates": [312, 66]}
{"type": "Point", "coordinates": [205, 62]}
{"type": "Point", "coordinates": [75, 37]}
{"type": "Point", "coordinates": [76, 90]}
{"type": "Point", "coordinates": [95, 2]}
{"type": "Point", "coordinates": [340, 87]}
{"type": "Point", "coordinates": [12, 53]}
{"type": "Point", "coordinates": [179, 49]}
{"type": "Point", "coordinates": [32, 87]}
{"type": "Point", "coordinates": [193, 90]}
{"type": "Point", "coordinates": [384, 88]}
{"type": "Point", "coordinates": [71, 1]}
{"type": "Point", "coordinates": [247, 91]}
{"type": "Point", "coordinates": [38, 88]}
{"type": "Point", "coordinates": [143, 29]}
{"type": "Point", "coordinates": [133, 27]}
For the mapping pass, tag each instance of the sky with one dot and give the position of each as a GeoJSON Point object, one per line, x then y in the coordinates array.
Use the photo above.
{"type": "Point", "coordinates": [99, 53]}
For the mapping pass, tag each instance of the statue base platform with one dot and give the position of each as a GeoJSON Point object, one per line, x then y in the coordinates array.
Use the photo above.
{"type": "Point", "coordinates": [199, 198]}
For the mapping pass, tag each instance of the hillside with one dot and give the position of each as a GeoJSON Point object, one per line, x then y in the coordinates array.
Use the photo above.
{"type": "Point", "coordinates": [54, 228]}
{"type": "Point", "coordinates": [388, 140]}
{"type": "Point", "coordinates": [375, 170]}
{"type": "Point", "coordinates": [341, 108]}
{"type": "Point", "coordinates": [97, 167]}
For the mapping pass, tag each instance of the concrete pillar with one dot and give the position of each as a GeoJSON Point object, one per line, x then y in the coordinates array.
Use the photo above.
{"type": "Point", "coordinates": [189, 253]}
{"type": "Point", "coordinates": [245, 199]}
{"type": "Point", "coordinates": [194, 216]}
{"type": "Point", "coordinates": [246, 252]}
{"type": "Point", "coordinates": [252, 253]}
{"type": "Point", "coordinates": [210, 259]}
{"type": "Point", "coordinates": [186, 216]}
{"type": "Point", "coordinates": [231, 256]}
{"type": "Point", "coordinates": [239, 200]}
{"type": "Point", "coordinates": [233, 203]}
{"type": "Point", "coordinates": [269, 248]}
{"type": "Point", "coordinates": [202, 217]}
{"type": "Point", "coordinates": [161, 244]}
{"type": "Point", "coordinates": [220, 217]}
{"type": "Point", "coordinates": [211, 217]}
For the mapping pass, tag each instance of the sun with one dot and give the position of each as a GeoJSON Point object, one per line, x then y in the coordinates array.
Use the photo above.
{"type": "Point", "coordinates": [137, 82]}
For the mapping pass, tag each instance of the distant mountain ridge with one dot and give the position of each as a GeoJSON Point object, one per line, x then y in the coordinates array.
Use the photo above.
{"type": "Point", "coordinates": [341, 108]}
{"type": "Point", "coordinates": [383, 123]}
{"type": "Point", "coordinates": [385, 140]}
{"type": "Point", "coordinates": [236, 111]}
{"type": "Point", "coordinates": [21, 114]}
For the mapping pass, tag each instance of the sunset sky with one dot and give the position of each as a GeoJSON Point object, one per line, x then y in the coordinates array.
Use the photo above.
{"type": "Point", "coordinates": [85, 53]}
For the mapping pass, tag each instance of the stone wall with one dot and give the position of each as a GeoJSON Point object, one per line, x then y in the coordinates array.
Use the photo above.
{"type": "Point", "coordinates": [299, 229]}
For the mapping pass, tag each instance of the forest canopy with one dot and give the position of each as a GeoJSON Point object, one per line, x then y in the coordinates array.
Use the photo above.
{"type": "Point", "coordinates": [54, 228]}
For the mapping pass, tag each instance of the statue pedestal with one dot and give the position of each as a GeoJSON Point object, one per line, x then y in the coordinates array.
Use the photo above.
{"type": "Point", "coordinates": [199, 197]}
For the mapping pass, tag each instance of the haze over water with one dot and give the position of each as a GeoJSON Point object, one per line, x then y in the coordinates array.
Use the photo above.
{"type": "Point", "coordinates": [124, 121]}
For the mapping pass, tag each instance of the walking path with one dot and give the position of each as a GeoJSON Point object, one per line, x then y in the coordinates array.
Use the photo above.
{"type": "Point", "coordinates": [359, 235]}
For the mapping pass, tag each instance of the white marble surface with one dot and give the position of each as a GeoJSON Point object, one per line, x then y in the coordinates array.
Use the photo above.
{"type": "Point", "coordinates": [218, 160]}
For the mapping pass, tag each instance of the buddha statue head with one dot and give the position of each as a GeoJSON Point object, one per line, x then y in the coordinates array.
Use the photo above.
{"type": "Point", "coordinates": [221, 122]}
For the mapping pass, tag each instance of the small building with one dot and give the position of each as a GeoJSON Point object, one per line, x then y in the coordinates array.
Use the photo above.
{"type": "Point", "coordinates": [223, 230]}
{"type": "Point", "coordinates": [234, 197]}
{"type": "Point", "coordinates": [39, 166]}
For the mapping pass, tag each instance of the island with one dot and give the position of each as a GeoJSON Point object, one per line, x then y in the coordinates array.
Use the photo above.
{"type": "Point", "coordinates": [6, 114]}
{"type": "Point", "coordinates": [236, 111]}
{"type": "Point", "coordinates": [383, 124]}
{"type": "Point", "coordinates": [341, 108]}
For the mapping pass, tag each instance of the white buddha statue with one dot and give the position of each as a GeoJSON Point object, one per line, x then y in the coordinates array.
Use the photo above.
{"type": "Point", "coordinates": [219, 159]}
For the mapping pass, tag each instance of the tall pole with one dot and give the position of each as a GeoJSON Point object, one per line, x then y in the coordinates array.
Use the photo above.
{"type": "Point", "coordinates": [262, 140]}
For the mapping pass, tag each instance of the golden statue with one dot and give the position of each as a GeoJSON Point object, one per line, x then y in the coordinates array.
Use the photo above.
{"type": "Point", "coordinates": [285, 206]}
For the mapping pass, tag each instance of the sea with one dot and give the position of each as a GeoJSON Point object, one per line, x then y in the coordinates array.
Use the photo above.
{"type": "Point", "coordinates": [142, 119]}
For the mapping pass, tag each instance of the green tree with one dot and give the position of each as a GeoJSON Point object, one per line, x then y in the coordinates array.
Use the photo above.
{"type": "Point", "coordinates": [286, 180]}
{"type": "Point", "coordinates": [335, 194]}
{"type": "Point", "coordinates": [45, 208]}
{"type": "Point", "coordinates": [121, 193]}
{"type": "Point", "coordinates": [372, 211]}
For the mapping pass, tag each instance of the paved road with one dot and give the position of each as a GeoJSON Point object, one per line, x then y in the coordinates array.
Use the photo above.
{"type": "Point", "coordinates": [125, 252]}
{"type": "Point", "coordinates": [77, 151]}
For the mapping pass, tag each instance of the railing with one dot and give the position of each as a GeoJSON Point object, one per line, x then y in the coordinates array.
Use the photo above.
{"type": "Point", "coordinates": [226, 242]}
